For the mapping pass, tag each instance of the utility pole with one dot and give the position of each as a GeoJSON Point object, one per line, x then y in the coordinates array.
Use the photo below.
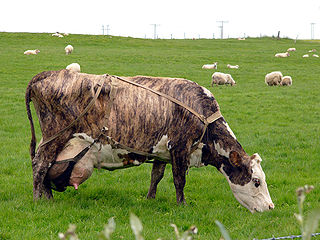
{"type": "Point", "coordinates": [221, 26]}
{"type": "Point", "coordinates": [108, 29]}
{"type": "Point", "coordinates": [155, 30]}
{"type": "Point", "coordinates": [312, 30]}
{"type": "Point", "coordinates": [103, 29]}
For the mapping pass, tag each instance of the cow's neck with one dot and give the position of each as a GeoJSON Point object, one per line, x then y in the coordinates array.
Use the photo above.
{"type": "Point", "coordinates": [219, 142]}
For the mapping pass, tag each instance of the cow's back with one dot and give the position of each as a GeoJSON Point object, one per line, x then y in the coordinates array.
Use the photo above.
{"type": "Point", "coordinates": [138, 118]}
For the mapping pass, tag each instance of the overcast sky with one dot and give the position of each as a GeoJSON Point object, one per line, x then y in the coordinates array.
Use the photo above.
{"type": "Point", "coordinates": [181, 18]}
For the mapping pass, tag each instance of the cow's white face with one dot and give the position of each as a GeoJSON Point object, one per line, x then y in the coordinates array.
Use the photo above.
{"type": "Point", "coordinates": [253, 195]}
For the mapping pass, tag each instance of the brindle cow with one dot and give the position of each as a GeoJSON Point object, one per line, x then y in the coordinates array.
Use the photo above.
{"type": "Point", "coordinates": [139, 119]}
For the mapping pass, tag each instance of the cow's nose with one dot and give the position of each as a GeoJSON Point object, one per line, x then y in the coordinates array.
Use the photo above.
{"type": "Point", "coordinates": [271, 206]}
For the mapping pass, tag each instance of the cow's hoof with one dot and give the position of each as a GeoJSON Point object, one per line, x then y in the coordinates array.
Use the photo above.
{"type": "Point", "coordinates": [182, 203]}
{"type": "Point", "coordinates": [151, 196]}
{"type": "Point", "coordinates": [42, 192]}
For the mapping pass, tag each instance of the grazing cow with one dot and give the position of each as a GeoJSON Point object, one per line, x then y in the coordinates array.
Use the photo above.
{"type": "Point", "coordinates": [113, 122]}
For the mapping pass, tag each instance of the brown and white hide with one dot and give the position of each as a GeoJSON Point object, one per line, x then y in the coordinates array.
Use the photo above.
{"type": "Point", "coordinates": [138, 119]}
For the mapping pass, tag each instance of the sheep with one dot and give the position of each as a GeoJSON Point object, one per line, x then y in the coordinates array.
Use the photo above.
{"type": "Point", "coordinates": [315, 55]}
{"type": "Point", "coordinates": [68, 49]}
{"type": "Point", "coordinates": [282, 55]}
{"type": "Point", "coordinates": [273, 78]}
{"type": "Point", "coordinates": [286, 81]}
{"type": "Point", "coordinates": [31, 52]}
{"type": "Point", "coordinates": [219, 78]}
{"type": "Point", "coordinates": [312, 50]}
{"type": "Point", "coordinates": [210, 66]}
{"type": "Point", "coordinates": [57, 34]}
{"type": "Point", "coordinates": [232, 66]}
{"type": "Point", "coordinates": [305, 56]}
{"type": "Point", "coordinates": [75, 67]}
{"type": "Point", "coordinates": [291, 49]}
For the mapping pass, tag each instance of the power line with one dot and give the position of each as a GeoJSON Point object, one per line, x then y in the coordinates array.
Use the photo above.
{"type": "Point", "coordinates": [221, 26]}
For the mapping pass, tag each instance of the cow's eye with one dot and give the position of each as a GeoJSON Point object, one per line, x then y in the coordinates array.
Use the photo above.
{"type": "Point", "coordinates": [256, 182]}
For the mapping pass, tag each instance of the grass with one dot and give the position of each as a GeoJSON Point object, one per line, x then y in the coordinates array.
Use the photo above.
{"type": "Point", "coordinates": [280, 123]}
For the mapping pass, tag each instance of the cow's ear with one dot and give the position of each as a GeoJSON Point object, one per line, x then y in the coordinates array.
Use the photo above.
{"type": "Point", "coordinates": [235, 159]}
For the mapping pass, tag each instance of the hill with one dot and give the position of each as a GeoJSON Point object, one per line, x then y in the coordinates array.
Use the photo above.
{"type": "Point", "coordinates": [280, 123]}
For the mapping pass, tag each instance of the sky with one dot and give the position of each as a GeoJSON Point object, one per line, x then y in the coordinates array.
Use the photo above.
{"type": "Point", "coordinates": [173, 18]}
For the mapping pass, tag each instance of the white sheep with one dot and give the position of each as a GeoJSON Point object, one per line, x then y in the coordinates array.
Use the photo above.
{"type": "Point", "coordinates": [273, 78]}
{"type": "Point", "coordinates": [315, 55]}
{"type": "Point", "coordinates": [219, 78]}
{"type": "Point", "coordinates": [57, 34]}
{"type": "Point", "coordinates": [286, 81]}
{"type": "Point", "coordinates": [305, 56]}
{"type": "Point", "coordinates": [210, 66]}
{"type": "Point", "coordinates": [282, 55]}
{"type": "Point", "coordinates": [291, 49]}
{"type": "Point", "coordinates": [312, 50]}
{"type": "Point", "coordinates": [232, 66]}
{"type": "Point", "coordinates": [75, 67]}
{"type": "Point", "coordinates": [68, 49]}
{"type": "Point", "coordinates": [31, 52]}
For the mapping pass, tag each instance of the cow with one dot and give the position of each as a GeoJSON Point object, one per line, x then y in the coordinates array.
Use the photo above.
{"type": "Point", "coordinates": [114, 122]}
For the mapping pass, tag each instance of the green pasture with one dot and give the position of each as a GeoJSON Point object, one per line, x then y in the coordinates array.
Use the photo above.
{"type": "Point", "coordinates": [282, 124]}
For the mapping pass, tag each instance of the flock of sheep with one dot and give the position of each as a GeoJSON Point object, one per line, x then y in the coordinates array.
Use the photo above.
{"type": "Point", "coordinates": [68, 50]}
{"type": "Point", "coordinates": [218, 78]}
{"type": "Point", "coordinates": [287, 54]}
{"type": "Point", "coordinates": [271, 79]}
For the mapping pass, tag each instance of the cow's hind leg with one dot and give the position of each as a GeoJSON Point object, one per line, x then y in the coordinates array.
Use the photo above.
{"type": "Point", "coordinates": [157, 173]}
{"type": "Point", "coordinates": [40, 168]}
{"type": "Point", "coordinates": [179, 169]}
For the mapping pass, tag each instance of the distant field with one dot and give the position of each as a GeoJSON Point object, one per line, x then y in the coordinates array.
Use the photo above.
{"type": "Point", "coordinates": [282, 124]}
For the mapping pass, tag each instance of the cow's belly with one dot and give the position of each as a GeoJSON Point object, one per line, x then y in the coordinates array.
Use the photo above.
{"type": "Point", "coordinates": [99, 155]}
{"type": "Point", "coordinates": [106, 157]}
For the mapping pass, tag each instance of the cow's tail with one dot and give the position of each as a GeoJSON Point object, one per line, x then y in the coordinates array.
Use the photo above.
{"type": "Point", "coordinates": [33, 138]}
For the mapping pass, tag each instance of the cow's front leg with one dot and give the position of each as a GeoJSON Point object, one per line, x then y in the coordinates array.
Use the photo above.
{"type": "Point", "coordinates": [40, 169]}
{"type": "Point", "coordinates": [179, 168]}
{"type": "Point", "coordinates": [157, 173]}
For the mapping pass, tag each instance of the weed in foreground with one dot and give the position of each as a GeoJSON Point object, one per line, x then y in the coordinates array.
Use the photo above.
{"type": "Point", "coordinates": [308, 225]}
{"type": "Point", "coordinates": [136, 227]}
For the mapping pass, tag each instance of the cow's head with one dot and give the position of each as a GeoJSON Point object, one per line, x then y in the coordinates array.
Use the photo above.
{"type": "Point", "coordinates": [247, 181]}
